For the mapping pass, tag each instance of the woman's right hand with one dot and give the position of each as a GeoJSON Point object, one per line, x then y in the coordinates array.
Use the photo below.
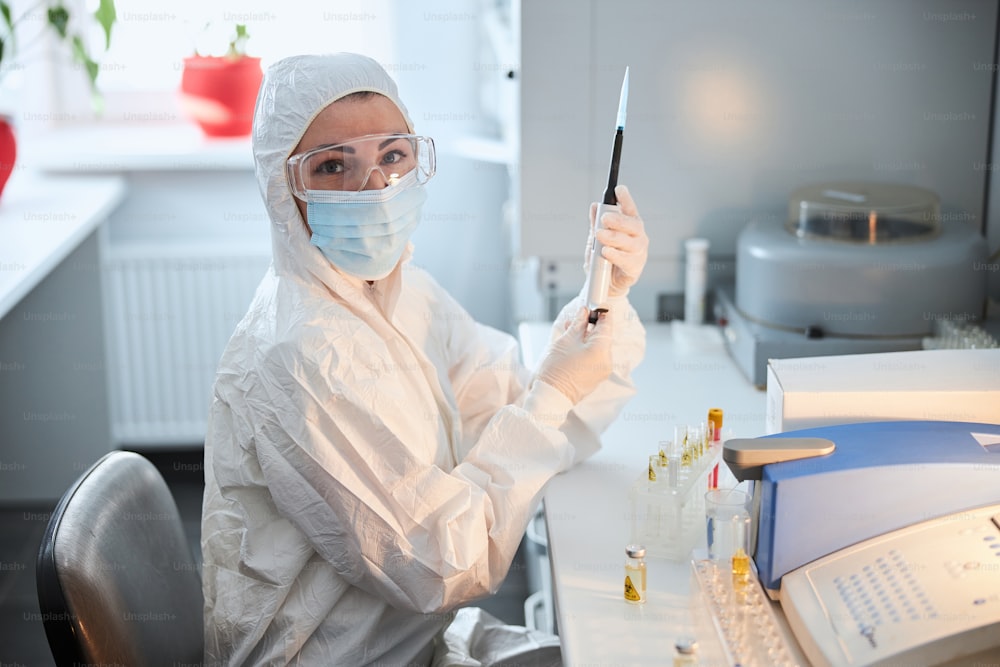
{"type": "Point", "coordinates": [579, 359]}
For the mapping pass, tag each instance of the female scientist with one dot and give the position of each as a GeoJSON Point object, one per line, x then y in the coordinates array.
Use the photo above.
{"type": "Point", "coordinates": [373, 454]}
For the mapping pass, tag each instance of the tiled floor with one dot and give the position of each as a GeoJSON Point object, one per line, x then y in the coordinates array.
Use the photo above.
{"type": "Point", "coordinates": [22, 637]}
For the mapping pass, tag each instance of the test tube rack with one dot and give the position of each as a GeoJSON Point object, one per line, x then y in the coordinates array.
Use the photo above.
{"type": "Point", "coordinates": [736, 623]}
{"type": "Point", "coordinates": [670, 522]}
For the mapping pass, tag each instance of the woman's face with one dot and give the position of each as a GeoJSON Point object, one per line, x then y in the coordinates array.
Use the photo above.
{"type": "Point", "coordinates": [348, 119]}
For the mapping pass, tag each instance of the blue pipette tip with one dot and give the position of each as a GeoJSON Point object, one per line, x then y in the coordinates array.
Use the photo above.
{"type": "Point", "coordinates": [623, 101]}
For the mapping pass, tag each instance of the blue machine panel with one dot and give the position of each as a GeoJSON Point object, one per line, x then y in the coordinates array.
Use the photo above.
{"type": "Point", "coordinates": [882, 476]}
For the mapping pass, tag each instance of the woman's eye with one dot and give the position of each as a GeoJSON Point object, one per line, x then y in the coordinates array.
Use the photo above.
{"type": "Point", "coordinates": [393, 157]}
{"type": "Point", "coordinates": [330, 167]}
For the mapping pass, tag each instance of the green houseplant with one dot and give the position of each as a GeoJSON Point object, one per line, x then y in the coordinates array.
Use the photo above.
{"type": "Point", "coordinates": [58, 20]}
{"type": "Point", "coordinates": [219, 92]}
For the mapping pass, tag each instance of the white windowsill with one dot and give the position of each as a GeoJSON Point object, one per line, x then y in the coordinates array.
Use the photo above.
{"type": "Point", "coordinates": [104, 148]}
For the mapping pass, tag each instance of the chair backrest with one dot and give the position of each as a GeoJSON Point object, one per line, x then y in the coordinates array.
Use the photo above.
{"type": "Point", "coordinates": [116, 581]}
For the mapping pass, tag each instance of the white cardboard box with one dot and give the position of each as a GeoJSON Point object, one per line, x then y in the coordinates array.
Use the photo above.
{"type": "Point", "coordinates": [936, 385]}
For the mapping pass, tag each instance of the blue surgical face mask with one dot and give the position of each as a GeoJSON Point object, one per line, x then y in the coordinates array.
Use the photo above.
{"type": "Point", "coordinates": [364, 233]}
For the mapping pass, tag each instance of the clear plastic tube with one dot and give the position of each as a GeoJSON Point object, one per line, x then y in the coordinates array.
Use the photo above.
{"type": "Point", "coordinates": [696, 280]}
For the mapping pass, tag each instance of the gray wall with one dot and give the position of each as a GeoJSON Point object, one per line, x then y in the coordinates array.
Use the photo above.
{"type": "Point", "coordinates": [734, 104]}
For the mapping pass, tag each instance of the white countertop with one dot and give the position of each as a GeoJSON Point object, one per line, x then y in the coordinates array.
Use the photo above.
{"type": "Point", "coordinates": [685, 372]}
{"type": "Point", "coordinates": [42, 220]}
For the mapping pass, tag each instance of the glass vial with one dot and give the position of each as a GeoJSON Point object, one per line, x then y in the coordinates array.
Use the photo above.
{"type": "Point", "coordinates": [697, 441]}
{"type": "Point", "coordinates": [682, 434]}
{"type": "Point", "coordinates": [685, 652]}
{"type": "Point", "coordinates": [635, 574]}
{"type": "Point", "coordinates": [715, 416]}
{"type": "Point", "coordinates": [741, 576]}
{"type": "Point", "coordinates": [741, 566]}
{"type": "Point", "coordinates": [674, 456]}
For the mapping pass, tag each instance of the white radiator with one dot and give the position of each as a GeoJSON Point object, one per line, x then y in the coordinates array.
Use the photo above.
{"type": "Point", "coordinates": [169, 312]}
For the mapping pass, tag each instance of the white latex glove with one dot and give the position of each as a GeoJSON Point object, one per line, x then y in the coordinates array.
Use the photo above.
{"type": "Point", "coordinates": [580, 358]}
{"type": "Point", "coordinates": [626, 245]}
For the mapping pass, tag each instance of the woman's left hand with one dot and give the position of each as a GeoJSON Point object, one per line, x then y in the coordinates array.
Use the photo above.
{"type": "Point", "coordinates": [625, 242]}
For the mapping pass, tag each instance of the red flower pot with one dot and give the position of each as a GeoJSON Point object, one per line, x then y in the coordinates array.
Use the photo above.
{"type": "Point", "coordinates": [219, 93]}
{"type": "Point", "coordinates": [8, 150]}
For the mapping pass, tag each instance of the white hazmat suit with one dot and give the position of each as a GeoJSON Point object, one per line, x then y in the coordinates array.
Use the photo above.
{"type": "Point", "coordinates": [373, 454]}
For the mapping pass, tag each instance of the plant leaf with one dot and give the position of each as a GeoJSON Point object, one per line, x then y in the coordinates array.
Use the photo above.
{"type": "Point", "coordinates": [5, 11]}
{"type": "Point", "coordinates": [8, 37]}
{"type": "Point", "coordinates": [106, 16]}
{"type": "Point", "coordinates": [238, 47]}
{"type": "Point", "coordinates": [59, 19]}
{"type": "Point", "coordinates": [80, 53]}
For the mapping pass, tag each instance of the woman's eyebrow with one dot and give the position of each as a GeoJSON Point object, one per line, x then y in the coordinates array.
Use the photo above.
{"type": "Point", "coordinates": [350, 149]}
{"type": "Point", "coordinates": [334, 147]}
{"type": "Point", "coordinates": [388, 141]}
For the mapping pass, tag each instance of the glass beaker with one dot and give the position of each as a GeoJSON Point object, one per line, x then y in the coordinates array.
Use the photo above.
{"type": "Point", "coordinates": [727, 517]}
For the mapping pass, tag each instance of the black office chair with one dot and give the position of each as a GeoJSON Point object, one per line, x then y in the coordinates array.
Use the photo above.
{"type": "Point", "coordinates": [116, 581]}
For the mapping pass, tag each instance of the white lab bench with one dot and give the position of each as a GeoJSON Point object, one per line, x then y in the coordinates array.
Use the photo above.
{"type": "Point", "coordinates": [53, 389]}
{"type": "Point", "coordinates": [685, 372]}
{"type": "Point", "coordinates": [43, 219]}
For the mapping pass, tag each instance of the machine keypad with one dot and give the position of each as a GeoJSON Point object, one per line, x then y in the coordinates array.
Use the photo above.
{"type": "Point", "coordinates": [884, 590]}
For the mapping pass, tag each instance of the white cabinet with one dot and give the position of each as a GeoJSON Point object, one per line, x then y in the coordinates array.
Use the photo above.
{"type": "Point", "coordinates": [53, 396]}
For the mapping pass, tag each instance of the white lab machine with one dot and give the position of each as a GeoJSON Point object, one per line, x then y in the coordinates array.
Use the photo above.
{"type": "Point", "coordinates": [856, 267]}
{"type": "Point", "coordinates": [880, 541]}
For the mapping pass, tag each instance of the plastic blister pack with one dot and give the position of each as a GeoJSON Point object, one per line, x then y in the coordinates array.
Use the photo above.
{"type": "Point", "coordinates": [735, 620]}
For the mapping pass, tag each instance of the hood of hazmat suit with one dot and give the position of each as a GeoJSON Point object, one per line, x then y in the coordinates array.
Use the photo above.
{"type": "Point", "coordinates": [373, 454]}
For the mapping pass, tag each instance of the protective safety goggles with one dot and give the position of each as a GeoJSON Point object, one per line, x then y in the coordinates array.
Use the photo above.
{"type": "Point", "coordinates": [372, 162]}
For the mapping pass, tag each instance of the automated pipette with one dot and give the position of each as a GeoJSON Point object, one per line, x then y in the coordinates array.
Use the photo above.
{"type": "Point", "coordinates": [599, 278]}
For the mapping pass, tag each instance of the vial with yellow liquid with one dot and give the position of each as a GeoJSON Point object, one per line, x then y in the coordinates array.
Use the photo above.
{"type": "Point", "coordinates": [741, 565]}
{"type": "Point", "coordinates": [697, 440]}
{"type": "Point", "coordinates": [681, 436]}
{"type": "Point", "coordinates": [741, 576]}
{"type": "Point", "coordinates": [635, 574]}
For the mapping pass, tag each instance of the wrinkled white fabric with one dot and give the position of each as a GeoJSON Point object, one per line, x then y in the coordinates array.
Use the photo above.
{"type": "Point", "coordinates": [373, 454]}
{"type": "Point", "coordinates": [478, 639]}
